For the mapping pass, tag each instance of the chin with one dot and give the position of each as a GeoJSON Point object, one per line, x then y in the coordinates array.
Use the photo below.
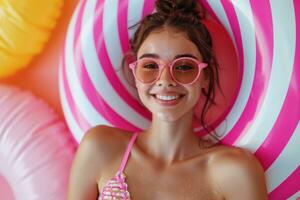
{"type": "Point", "coordinates": [167, 117]}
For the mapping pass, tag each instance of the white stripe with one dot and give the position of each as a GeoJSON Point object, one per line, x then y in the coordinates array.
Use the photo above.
{"type": "Point", "coordinates": [295, 196]}
{"type": "Point", "coordinates": [76, 131]}
{"type": "Point", "coordinates": [135, 11]}
{"type": "Point", "coordinates": [82, 103]}
{"type": "Point", "coordinates": [113, 42]}
{"type": "Point", "coordinates": [282, 67]}
{"type": "Point", "coordinates": [110, 32]}
{"type": "Point", "coordinates": [286, 163]}
{"type": "Point", "coordinates": [99, 79]}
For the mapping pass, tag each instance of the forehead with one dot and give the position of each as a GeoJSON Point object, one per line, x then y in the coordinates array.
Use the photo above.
{"type": "Point", "coordinates": [168, 43]}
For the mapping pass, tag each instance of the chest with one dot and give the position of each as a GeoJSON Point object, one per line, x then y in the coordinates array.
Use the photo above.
{"type": "Point", "coordinates": [169, 186]}
{"type": "Point", "coordinates": [148, 181]}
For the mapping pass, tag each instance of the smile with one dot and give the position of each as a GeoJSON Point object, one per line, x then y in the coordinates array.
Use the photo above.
{"type": "Point", "coordinates": [168, 100]}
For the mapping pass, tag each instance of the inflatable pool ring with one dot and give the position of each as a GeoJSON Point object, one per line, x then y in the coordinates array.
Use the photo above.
{"type": "Point", "coordinates": [36, 148]}
{"type": "Point", "coordinates": [264, 116]}
{"type": "Point", "coordinates": [83, 86]}
{"type": "Point", "coordinates": [25, 28]}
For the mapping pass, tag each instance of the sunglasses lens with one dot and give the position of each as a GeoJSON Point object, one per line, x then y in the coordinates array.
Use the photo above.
{"type": "Point", "coordinates": [185, 71]}
{"type": "Point", "coordinates": [146, 70]}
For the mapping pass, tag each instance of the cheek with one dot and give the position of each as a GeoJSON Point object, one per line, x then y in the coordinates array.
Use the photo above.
{"type": "Point", "coordinates": [142, 90]}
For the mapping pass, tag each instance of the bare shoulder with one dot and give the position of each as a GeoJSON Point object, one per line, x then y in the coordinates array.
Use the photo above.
{"type": "Point", "coordinates": [234, 158]}
{"type": "Point", "coordinates": [238, 173]}
{"type": "Point", "coordinates": [104, 141]}
{"type": "Point", "coordinates": [98, 146]}
{"type": "Point", "coordinates": [102, 134]}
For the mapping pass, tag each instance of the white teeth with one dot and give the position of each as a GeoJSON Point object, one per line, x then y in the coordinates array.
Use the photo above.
{"type": "Point", "coordinates": [167, 98]}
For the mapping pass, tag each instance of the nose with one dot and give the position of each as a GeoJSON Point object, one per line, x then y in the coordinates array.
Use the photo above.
{"type": "Point", "coordinates": [165, 78]}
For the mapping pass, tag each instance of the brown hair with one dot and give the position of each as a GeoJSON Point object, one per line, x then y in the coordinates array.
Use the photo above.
{"type": "Point", "coordinates": [185, 16]}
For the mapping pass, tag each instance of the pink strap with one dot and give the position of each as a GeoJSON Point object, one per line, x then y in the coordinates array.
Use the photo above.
{"type": "Point", "coordinates": [126, 155]}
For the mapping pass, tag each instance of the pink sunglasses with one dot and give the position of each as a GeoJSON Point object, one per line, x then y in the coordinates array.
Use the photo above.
{"type": "Point", "coordinates": [184, 70]}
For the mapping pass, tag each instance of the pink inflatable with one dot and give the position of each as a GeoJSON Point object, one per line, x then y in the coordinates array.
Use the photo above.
{"type": "Point", "coordinates": [36, 148]}
{"type": "Point", "coordinates": [261, 110]}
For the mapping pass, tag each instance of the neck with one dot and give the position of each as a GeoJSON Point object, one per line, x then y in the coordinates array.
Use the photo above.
{"type": "Point", "coordinates": [170, 142]}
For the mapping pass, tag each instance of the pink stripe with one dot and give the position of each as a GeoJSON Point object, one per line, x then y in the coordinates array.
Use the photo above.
{"type": "Point", "coordinates": [80, 120]}
{"type": "Point", "coordinates": [96, 100]}
{"type": "Point", "coordinates": [288, 187]}
{"type": "Point", "coordinates": [285, 124]}
{"type": "Point", "coordinates": [122, 25]}
{"type": "Point", "coordinates": [148, 7]}
{"type": "Point", "coordinates": [108, 68]}
{"type": "Point", "coordinates": [264, 50]}
{"type": "Point", "coordinates": [290, 112]}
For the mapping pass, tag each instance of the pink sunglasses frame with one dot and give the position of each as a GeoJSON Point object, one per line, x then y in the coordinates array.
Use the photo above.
{"type": "Point", "coordinates": [162, 65]}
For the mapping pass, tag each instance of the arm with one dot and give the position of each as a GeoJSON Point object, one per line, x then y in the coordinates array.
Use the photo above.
{"type": "Point", "coordinates": [86, 166]}
{"type": "Point", "coordinates": [239, 175]}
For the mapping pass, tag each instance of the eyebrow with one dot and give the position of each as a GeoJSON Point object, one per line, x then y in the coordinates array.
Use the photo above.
{"type": "Point", "coordinates": [185, 55]}
{"type": "Point", "coordinates": [153, 55]}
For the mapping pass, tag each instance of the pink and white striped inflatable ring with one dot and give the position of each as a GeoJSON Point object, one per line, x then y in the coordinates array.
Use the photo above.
{"type": "Point", "coordinates": [264, 117]}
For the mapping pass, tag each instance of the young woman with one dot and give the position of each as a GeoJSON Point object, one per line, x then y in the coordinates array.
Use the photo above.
{"type": "Point", "coordinates": [174, 64]}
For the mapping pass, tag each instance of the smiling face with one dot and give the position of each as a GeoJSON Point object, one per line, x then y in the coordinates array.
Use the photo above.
{"type": "Point", "coordinates": [167, 44]}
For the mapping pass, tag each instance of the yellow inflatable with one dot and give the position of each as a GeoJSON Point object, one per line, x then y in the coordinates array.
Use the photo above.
{"type": "Point", "coordinates": [25, 26]}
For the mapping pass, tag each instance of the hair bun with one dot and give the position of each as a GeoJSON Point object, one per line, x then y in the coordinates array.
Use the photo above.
{"type": "Point", "coordinates": [169, 6]}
